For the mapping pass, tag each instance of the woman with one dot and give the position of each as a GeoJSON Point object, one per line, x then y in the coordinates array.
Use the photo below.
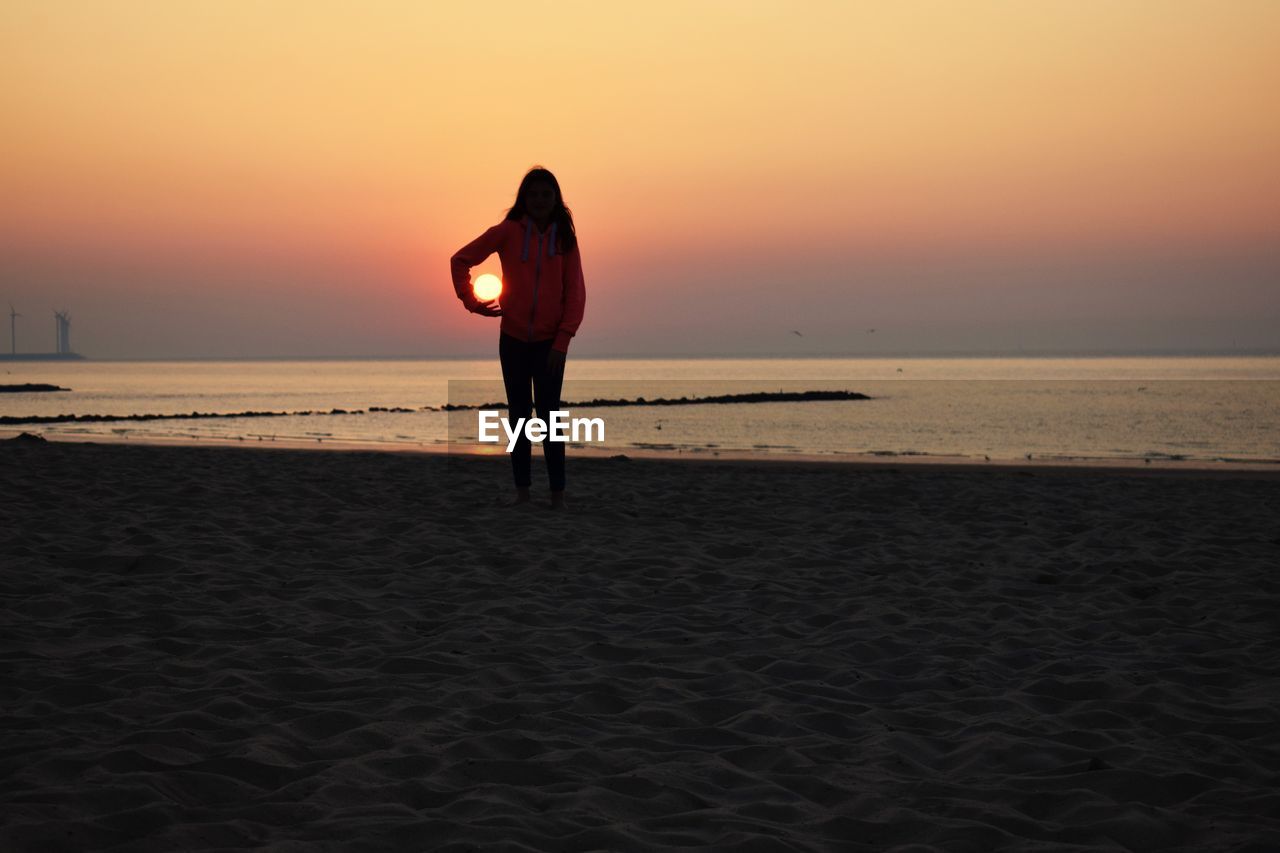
{"type": "Point", "coordinates": [541, 305]}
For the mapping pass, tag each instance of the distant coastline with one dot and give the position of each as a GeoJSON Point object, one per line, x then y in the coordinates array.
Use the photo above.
{"type": "Point", "coordinates": [768, 356]}
{"type": "Point", "coordinates": [42, 356]}
{"type": "Point", "coordinates": [30, 387]}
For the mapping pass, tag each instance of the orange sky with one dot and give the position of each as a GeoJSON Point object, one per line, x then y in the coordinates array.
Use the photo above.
{"type": "Point", "coordinates": [160, 160]}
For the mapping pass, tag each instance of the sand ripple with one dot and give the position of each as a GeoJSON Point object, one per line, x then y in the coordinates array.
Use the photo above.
{"type": "Point", "coordinates": [236, 649]}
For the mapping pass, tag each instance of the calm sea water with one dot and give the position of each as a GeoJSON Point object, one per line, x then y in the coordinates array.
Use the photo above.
{"type": "Point", "coordinates": [1205, 409]}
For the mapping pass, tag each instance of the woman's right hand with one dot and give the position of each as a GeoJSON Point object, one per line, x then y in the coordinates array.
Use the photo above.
{"type": "Point", "coordinates": [488, 309]}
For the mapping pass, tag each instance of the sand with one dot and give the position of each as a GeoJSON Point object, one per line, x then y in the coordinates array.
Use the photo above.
{"type": "Point", "coordinates": [305, 650]}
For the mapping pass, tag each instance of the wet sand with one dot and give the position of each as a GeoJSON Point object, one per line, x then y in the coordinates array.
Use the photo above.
{"type": "Point", "coordinates": [226, 648]}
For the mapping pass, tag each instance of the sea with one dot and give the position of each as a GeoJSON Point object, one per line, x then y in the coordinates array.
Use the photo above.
{"type": "Point", "coordinates": [1192, 410]}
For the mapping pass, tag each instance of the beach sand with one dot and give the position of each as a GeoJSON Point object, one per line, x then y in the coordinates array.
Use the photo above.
{"type": "Point", "coordinates": [307, 650]}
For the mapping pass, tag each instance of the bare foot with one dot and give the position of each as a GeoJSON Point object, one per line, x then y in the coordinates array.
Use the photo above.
{"type": "Point", "coordinates": [557, 500]}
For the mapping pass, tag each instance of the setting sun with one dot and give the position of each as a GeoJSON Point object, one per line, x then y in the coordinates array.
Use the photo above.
{"type": "Point", "coordinates": [487, 286]}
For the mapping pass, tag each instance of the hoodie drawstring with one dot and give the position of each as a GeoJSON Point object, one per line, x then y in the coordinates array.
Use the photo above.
{"type": "Point", "coordinates": [528, 232]}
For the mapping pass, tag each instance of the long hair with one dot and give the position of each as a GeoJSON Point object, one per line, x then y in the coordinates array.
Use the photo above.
{"type": "Point", "coordinates": [566, 236]}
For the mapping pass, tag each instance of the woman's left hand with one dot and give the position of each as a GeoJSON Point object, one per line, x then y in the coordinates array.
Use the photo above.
{"type": "Point", "coordinates": [555, 362]}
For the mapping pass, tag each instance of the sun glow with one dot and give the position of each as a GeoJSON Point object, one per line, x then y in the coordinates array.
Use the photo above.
{"type": "Point", "coordinates": [487, 286]}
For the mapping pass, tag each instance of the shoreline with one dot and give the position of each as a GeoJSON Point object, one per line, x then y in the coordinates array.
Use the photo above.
{"type": "Point", "coordinates": [1156, 466]}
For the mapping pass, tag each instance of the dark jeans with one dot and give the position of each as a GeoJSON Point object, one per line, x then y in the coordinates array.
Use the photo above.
{"type": "Point", "coordinates": [524, 364]}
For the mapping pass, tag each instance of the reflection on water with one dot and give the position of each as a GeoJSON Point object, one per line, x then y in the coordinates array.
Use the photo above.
{"type": "Point", "coordinates": [1192, 408]}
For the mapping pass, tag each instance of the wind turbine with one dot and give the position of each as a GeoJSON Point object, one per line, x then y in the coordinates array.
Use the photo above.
{"type": "Point", "coordinates": [13, 328]}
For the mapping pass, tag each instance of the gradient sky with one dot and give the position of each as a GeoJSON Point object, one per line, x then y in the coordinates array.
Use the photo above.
{"type": "Point", "coordinates": [289, 179]}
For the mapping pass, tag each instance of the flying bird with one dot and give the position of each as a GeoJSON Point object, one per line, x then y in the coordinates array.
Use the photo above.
{"type": "Point", "coordinates": [794, 332]}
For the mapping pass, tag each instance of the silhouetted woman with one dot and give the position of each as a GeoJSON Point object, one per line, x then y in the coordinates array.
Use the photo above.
{"type": "Point", "coordinates": [541, 305]}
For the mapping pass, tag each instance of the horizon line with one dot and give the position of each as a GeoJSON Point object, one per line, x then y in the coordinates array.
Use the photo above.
{"type": "Point", "coordinates": [1165, 352]}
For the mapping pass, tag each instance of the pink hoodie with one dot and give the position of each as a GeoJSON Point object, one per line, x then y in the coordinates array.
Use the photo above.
{"type": "Point", "coordinates": [543, 293]}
